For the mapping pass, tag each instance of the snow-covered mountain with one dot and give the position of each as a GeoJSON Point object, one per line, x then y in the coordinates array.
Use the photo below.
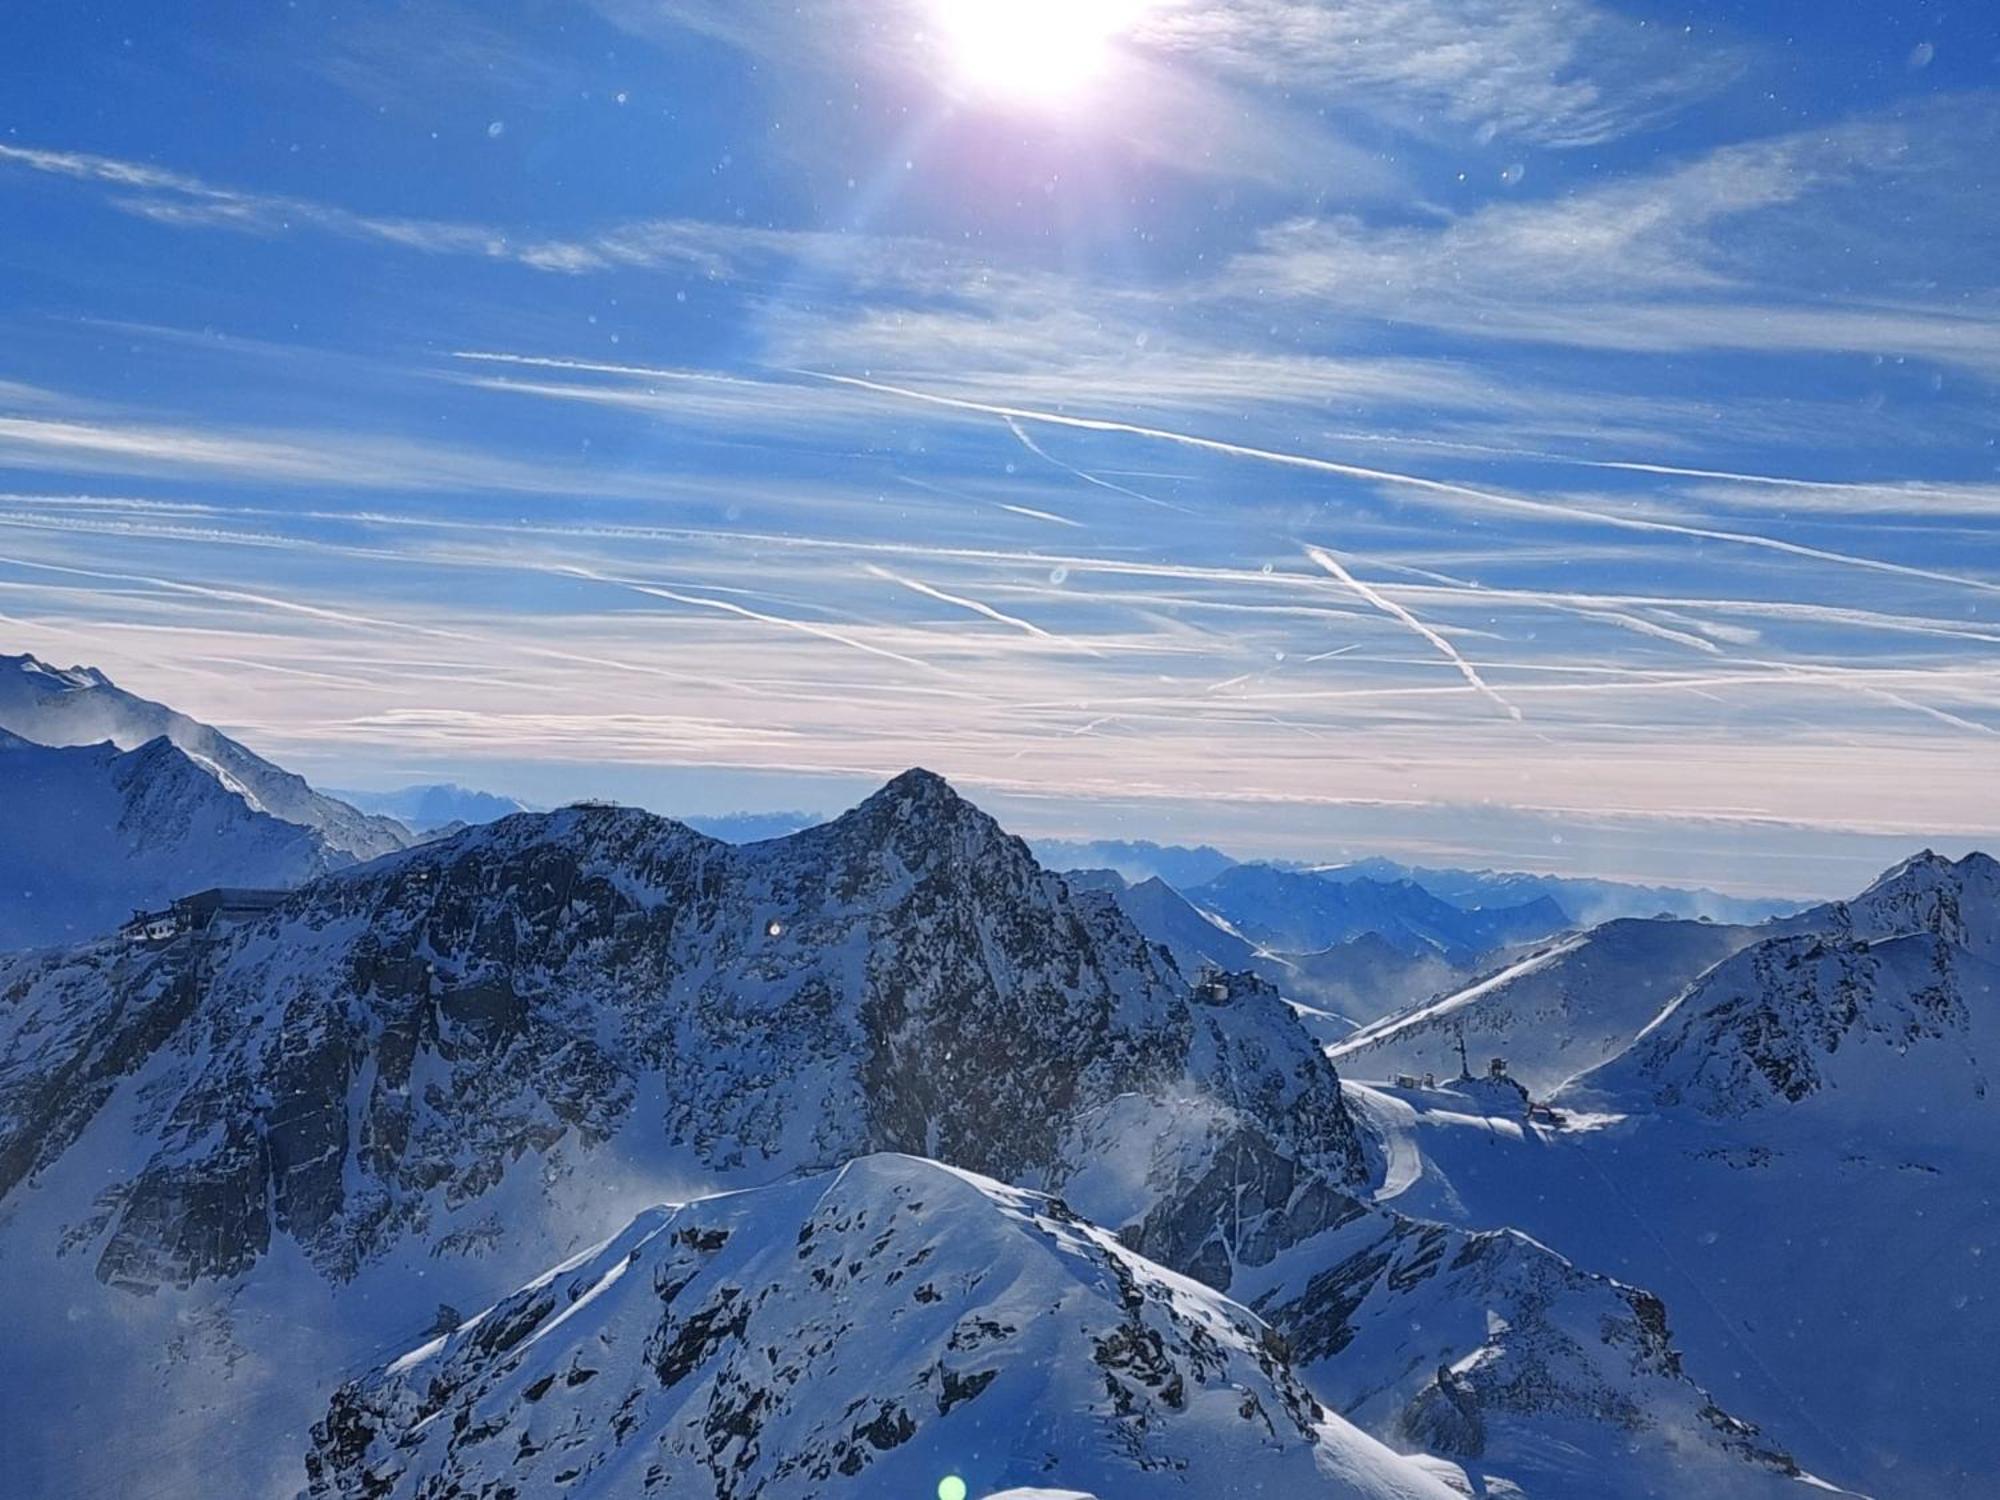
{"type": "Point", "coordinates": [1551, 1013]}
{"type": "Point", "coordinates": [1492, 1350]}
{"type": "Point", "coordinates": [81, 706]}
{"type": "Point", "coordinates": [415, 1082]}
{"type": "Point", "coordinates": [877, 1329]}
{"type": "Point", "coordinates": [1562, 1009]}
{"type": "Point", "coordinates": [433, 806]}
{"type": "Point", "coordinates": [1587, 902]}
{"type": "Point", "coordinates": [1897, 1006]}
{"type": "Point", "coordinates": [1799, 1156]}
{"type": "Point", "coordinates": [917, 981]}
{"type": "Point", "coordinates": [1290, 911]}
{"type": "Point", "coordinates": [92, 832]}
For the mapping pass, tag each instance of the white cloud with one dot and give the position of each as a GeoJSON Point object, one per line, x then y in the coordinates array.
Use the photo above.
{"type": "Point", "coordinates": [1550, 72]}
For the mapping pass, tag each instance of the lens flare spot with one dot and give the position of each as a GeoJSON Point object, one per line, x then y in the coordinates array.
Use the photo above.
{"type": "Point", "coordinates": [951, 1487]}
{"type": "Point", "coordinates": [1030, 51]}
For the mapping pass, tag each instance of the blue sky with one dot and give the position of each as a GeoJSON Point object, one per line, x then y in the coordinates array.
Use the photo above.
{"type": "Point", "coordinates": [1535, 433]}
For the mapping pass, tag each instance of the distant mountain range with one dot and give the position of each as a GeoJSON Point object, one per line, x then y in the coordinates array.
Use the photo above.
{"type": "Point", "coordinates": [1136, 860]}
{"type": "Point", "coordinates": [1289, 911]}
{"type": "Point", "coordinates": [1585, 902]}
{"type": "Point", "coordinates": [750, 827]}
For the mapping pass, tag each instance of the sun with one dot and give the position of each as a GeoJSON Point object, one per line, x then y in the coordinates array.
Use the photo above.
{"type": "Point", "coordinates": [1042, 52]}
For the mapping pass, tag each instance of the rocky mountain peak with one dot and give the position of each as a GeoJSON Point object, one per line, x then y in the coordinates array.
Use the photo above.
{"type": "Point", "coordinates": [921, 799]}
{"type": "Point", "coordinates": [379, 1053]}
{"type": "Point", "coordinates": [1958, 900]}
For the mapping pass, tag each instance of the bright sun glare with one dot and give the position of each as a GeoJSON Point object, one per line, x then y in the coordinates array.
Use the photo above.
{"type": "Point", "coordinates": [1035, 51]}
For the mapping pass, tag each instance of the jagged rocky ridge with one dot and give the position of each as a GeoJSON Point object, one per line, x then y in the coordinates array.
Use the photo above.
{"type": "Point", "coordinates": [876, 1330]}
{"type": "Point", "coordinates": [1892, 997]}
{"type": "Point", "coordinates": [1563, 1009]}
{"type": "Point", "coordinates": [1489, 1349]}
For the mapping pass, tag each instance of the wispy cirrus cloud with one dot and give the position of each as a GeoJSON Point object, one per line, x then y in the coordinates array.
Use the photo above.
{"type": "Point", "coordinates": [1567, 73]}
{"type": "Point", "coordinates": [690, 246]}
{"type": "Point", "coordinates": [1714, 253]}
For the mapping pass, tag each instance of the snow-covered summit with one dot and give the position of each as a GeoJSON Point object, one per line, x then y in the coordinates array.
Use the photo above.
{"type": "Point", "coordinates": [1901, 1034]}
{"type": "Point", "coordinates": [1958, 900]}
{"type": "Point", "coordinates": [879, 1328]}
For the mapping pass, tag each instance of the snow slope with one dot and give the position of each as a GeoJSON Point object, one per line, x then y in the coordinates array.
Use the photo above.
{"type": "Point", "coordinates": [81, 706]}
{"type": "Point", "coordinates": [870, 1331]}
{"type": "Point", "coordinates": [91, 833]}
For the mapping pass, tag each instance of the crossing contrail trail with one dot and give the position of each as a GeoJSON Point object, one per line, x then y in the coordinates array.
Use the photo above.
{"type": "Point", "coordinates": [1396, 611]}
{"type": "Point", "coordinates": [961, 601]}
{"type": "Point", "coordinates": [1047, 457]}
{"type": "Point", "coordinates": [725, 606]}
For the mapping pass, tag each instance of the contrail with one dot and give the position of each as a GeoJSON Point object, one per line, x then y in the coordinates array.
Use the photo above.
{"type": "Point", "coordinates": [1104, 484]}
{"type": "Point", "coordinates": [1413, 481]}
{"type": "Point", "coordinates": [963, 603]}
{"type": "Point", "coordinates": [595, 367]}
{"type": "Point", "coordinates": [1699, 643]}
{"type": "Point", "coordinates": [1396, 611]}
{"type": "Point", "coordinates": [1621, 618]}
{"type": "Point", "coordinates": [825, 634]}
{"type": "Point", "coordinates": [240, 596]}
{"type": "Point", "coordinates": [1039, 515]}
